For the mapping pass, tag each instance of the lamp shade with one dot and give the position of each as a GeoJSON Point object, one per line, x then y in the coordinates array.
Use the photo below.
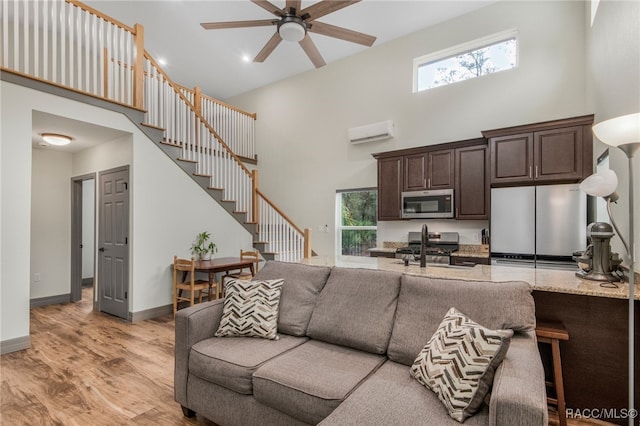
{"type": "Point", "coordinates": [292, 31]}
{"type": "Point", "coordinates": [620, 130]}
{"type": "Point", "coordinates": [601, 184]}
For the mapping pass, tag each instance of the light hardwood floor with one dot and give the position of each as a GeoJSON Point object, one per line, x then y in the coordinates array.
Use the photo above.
{"type": "Point", "coordinates": [88, 368]}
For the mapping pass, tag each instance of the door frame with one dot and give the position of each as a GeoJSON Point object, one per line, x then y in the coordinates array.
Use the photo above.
{"type": "Point", "coordinates": [76, 236]}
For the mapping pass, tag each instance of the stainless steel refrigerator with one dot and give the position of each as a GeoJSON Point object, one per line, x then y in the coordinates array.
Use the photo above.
{"type": "Point", "coordinates": [538, 226]}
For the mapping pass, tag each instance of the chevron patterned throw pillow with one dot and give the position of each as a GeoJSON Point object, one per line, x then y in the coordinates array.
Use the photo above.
{"type": "Point", "coordinates": [251, 309]}
{"type": "Point", "coordinates": [459, 361]}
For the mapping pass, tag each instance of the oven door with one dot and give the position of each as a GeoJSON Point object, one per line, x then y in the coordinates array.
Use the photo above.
{"type": "Point", "coordinates": [427, 204]}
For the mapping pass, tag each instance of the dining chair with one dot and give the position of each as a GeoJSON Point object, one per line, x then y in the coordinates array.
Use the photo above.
{"type": "Point", "coordinates": [244, 273]}
{"type": "Point", "coordinates": [189, 283]}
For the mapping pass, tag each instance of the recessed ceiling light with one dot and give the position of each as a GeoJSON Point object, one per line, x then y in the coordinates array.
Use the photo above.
{"type": "Point", "coordinates": [162, 61]}
{"type": "Point", "coordinates": [246, 58]}
{"type": "Point", "coordinates": [56, 139]}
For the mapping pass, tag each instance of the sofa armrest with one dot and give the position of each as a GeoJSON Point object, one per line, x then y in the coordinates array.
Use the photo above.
{"type": "Point", "coordinates": [193, 325]}
{"type": "Point", "coordinates": [519, 394]}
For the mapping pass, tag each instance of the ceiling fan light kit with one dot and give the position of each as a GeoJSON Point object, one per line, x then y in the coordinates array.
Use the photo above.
{"type": "Point", "coordinates": [292, 29]}
{"type": "Point", "coordinates": [293, 25]}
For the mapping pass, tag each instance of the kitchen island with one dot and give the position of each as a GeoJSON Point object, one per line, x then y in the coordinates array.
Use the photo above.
{"type": "Point", "coordinates": [594, 359]}
{"type": "Point", "coordinates": [550, 280]}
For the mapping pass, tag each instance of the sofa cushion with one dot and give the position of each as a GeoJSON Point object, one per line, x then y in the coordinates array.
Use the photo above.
{"type": "Point", "coordinates": [310, 381]}
{"type": "Point", "coordinates": [302, 285]}
{"type": "Point", "coordinates": [423, 302]}
{"type": "Point", "coordinates": [391, 394]}
{"type": "Point", "coordinates": [356, 309]}
{"type": "Point", "coordinates": [231, 361]}
{"type": "Point", "coordinates": [459, 362]}
{"type": "Point", "coordinates": [250, 309]}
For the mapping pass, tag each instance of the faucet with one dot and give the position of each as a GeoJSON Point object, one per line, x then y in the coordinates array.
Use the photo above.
{"type": "Point", "coordinates": [423, 246]}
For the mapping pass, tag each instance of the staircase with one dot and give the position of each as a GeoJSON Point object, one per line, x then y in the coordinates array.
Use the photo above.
{"type": "Point", "coordinates": [71, 45]}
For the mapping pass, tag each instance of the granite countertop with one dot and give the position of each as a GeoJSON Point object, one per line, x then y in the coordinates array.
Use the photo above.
{"type": "Point", "coordinates": [551, 280]}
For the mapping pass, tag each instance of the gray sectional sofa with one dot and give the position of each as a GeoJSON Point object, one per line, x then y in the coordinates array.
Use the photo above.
{"type": "Point", "coordinates": [347, 339]}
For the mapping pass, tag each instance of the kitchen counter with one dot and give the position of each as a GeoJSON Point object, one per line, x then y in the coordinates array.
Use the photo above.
{"type": "Point", "coordinates": [549, 280]}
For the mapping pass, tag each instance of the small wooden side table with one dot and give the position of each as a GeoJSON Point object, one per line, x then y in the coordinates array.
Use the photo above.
{"type": "Point", "coordinates": [552, 333]}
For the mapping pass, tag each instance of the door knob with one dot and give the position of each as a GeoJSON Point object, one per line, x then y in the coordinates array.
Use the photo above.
{"type": "Point", "coordinates": [101, 249]}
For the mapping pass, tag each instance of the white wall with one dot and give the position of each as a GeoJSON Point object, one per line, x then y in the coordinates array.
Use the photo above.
{"type": "Point", "coordinates": [88, 227]}
{"type": "Point", "coordinates": [50, 223]}
{"type": "Point", "coordinates": [302, 126]}
{"type": "Point", "coordinates": [167, 207]}
{"type": "Point", "coordinates": [613, 66]}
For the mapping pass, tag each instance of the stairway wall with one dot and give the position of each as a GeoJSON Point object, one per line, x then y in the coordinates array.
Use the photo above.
{"type": "Point", "coordinates": [167, 208]}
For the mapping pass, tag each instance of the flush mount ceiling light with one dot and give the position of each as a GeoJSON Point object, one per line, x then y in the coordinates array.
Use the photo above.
{"type": "Point", "coordinates": [292, 28]}
{"type": "Point", "coordinates": [56, 139]}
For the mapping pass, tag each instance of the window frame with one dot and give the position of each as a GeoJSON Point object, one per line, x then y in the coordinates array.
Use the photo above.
{"type": "Point", "coordinates": [339, 227]}
{"type": "Point", "coordinates": [466, 47]}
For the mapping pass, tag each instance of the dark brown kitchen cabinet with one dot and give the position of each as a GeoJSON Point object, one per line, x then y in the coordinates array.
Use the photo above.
{"type": "Point", "coordinates": [389, 187]}
{"type": "Point", "coordinates": [429, 170]}
{"type": "Point", "coordinates": [472, 182]}
{"type": "Point", "coordinates": [558, 151]}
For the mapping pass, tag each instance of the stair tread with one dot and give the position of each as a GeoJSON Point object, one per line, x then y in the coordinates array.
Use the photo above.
{"type": "Point", "coordinates": [202, 175]}
{"type": "Point", "coordinates": [187, 160]}
{"type": "Point", "coordinates": [164, 142]}
{"type": "Point", "coordinates": [153, 126]}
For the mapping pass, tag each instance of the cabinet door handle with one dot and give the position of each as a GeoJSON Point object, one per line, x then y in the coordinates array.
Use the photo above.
{"type": "Point", "coordinates": [536, 172]}
{"type": "Point", "coordinates": [429, 183]}
{"type": "Point", "coordinates": [530, 172]}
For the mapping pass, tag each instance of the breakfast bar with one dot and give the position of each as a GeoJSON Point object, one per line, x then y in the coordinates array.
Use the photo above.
{"type": "Point", "coordinates": [594, 359]}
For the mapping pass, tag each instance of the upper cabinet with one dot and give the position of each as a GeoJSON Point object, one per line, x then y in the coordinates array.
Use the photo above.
{"type": "Point", "coordinates": [472, 182]}
{"type": "Point", "coordinates": [461, 165]}
{"type": "Point", "coordinates": [429, 170]}
{"type": "Point", "coordinates": [558, 151]}
{"type": "Point", "coordinates": [389, 187]}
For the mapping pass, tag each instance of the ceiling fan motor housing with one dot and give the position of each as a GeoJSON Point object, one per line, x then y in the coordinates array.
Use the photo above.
{"type": "Point", "coordinates": [292, 28]}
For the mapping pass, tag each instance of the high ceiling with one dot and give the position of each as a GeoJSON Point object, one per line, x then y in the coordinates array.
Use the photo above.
{"type": "Point", "coordinates": [214, 61]}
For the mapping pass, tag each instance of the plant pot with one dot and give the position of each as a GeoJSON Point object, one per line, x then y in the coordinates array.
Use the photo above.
{"type": "Point", "coordinates": [206, 256]}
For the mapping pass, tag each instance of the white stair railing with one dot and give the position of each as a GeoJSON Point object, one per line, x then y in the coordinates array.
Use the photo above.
{"type": "Point", "coordinates": [168, 108]}
{"type": "Point", "coordinates": [71, 45]}
{"type": "Point", "coordinates": [234, 126]}
{"type": "Point", "coordinates": [288, 242]}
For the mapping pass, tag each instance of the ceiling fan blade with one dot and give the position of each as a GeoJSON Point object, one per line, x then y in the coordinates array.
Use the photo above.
{"type": "Point", "coordinates": [269, 7]}
{"type": "Point", "coordinates": [325, 7]}
{"type": "Point", "coordinates": [312, 52]}
{"type": "Point", "coordinates": [273, 42]}
{"type": "Point", "coordinates": [341, 33]}
{"type": "Point", "coordinates": [237, 24]}
{"type": "Point", "coordinates": [296, 4]}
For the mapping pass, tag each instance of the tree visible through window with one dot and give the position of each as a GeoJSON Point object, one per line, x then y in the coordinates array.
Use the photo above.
{"type": "Point", "coordinates": [357, 212]}
{"type": "Point", "coordinates": [471, 60]}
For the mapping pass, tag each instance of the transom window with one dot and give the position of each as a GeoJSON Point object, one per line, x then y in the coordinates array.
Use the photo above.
{"type": "Point", "coordinates": [487, 55]}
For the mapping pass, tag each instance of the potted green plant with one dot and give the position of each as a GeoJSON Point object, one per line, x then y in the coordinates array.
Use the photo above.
{"type": "Point", "coordinates": [202, 248]}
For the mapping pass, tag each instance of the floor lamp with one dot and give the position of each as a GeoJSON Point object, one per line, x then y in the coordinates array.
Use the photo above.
{"type": "Point", "coordinates": [624, 133]}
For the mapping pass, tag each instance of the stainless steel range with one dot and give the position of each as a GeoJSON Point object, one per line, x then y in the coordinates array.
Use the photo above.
{"type": "Point", "coordinates": [439, 247]}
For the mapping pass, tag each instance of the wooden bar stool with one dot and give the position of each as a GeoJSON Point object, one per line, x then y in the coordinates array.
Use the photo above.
{"type": "Point", "coordinates": [552, 333]}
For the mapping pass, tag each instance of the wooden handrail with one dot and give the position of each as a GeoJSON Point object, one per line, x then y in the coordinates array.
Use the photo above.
{"type": "Point", "coordinates": [200, 117]}
{"type": "Point", "coordinates": [280, 212]}
{"type": "Point", "coordinates": [101, 15]}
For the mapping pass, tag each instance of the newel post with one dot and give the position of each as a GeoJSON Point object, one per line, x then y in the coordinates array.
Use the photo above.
{"type": "Point", "coordinates": [138, 68]}
{"type": "Point", "coordinates": [197, 99]}
{"type": "Point", "coordinates": [254, 195]}
{"type": "Point", "coordinates": [307, 243]}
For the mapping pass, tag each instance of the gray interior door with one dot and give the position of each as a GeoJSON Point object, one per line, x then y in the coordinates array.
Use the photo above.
{"type": "Point", "coordinates": [113, 251]}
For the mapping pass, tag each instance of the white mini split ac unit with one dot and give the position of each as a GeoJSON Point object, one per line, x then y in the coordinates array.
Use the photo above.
{"type": "Point", "coordinates": [372, 132]}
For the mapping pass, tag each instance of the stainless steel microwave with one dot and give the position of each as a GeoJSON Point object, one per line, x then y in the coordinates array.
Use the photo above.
{"type": "Point", "coordinates": [428, 204]}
